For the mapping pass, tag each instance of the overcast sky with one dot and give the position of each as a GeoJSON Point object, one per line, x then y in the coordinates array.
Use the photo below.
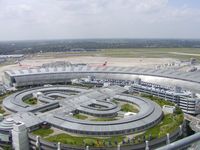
{"type": "Point", "coordinates": [67, 19]}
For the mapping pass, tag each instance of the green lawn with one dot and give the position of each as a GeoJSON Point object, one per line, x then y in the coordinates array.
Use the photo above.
{"type": "Point", "coordinates": [152, 52]}
{"type": "Point", "coordinates": [179, 53]}
{"type": "Point", "coordinates": [7, 147]}
{"type": "Point", "coordinates": [169, 123]}
{"type": "Point", "coordinates": [103, 119]}
{"type": "Point", "coordinates": [43, 132]}
{"type": "Point", "coordinates": [2, 111]}
{"type": "Point", "coordinates": [85, 85]}
{"type": "Point", "coordinates": [31, 101]}
{"type": "Point", "coordinates": [83, 141]}
{"type": "Point", "coordinates": [115, 101]}
{"type": "Point", "coordinates": [80, 116]}
{"type": "Point", "coordinates": [129, 108]}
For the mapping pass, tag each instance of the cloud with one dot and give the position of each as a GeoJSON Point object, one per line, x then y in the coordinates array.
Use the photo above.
{"type": "Point", "coordinates": [33, 19]}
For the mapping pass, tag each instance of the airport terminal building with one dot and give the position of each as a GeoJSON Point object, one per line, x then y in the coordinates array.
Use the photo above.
{"type": "Point", "coordinates": [155, 81]}
{"type": "Point", "coordinates": [58, 101]}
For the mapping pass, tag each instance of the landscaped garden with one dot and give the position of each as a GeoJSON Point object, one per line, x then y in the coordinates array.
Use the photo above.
{"type": "Point", "coordinates": [43, 132]}
{"type": "Point", "coordinates": [83, 141]}
{"type": "Point", "coordinates": [169, 123]}
{"type": "Point", "coordinates": [129, 108]}
{"type": "Point", "coordinates": [115, 101]}
{"type": "Point", "coordinates": [80, 116]}
{"type": "Point", "coordinates": [85, 85]}
{"type": "Point", "coordinates": [77, 140]}
{"type": "Point", "coordinates": [31, 101]}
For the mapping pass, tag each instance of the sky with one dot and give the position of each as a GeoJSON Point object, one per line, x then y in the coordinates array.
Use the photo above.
{"type": "Point", "coordinates": [77, 19]}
